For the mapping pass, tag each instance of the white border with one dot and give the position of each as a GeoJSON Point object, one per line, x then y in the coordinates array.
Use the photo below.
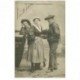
{"type": "Point", "coordinates": [7, 41]}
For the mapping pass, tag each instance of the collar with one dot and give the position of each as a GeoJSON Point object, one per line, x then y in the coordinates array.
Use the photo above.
{"type": "Point", "coordinates": [39, 28]}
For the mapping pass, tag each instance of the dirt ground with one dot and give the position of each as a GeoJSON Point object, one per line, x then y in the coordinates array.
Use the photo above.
{"type": "Point", "coordinates": [23, 70]}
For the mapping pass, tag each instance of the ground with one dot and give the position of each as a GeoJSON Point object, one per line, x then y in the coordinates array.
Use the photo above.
{"type": "Point", "coordinates": [60, 72]}
{"type": "Point", "coordinates": [23, 70]}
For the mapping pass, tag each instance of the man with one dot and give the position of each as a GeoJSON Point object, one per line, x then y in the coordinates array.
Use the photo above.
{"type": "Point", "coordinates": [53, 35]}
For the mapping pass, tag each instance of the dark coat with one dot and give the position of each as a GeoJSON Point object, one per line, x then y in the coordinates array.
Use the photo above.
{"type": "Point", "coordinates": [53, 34]}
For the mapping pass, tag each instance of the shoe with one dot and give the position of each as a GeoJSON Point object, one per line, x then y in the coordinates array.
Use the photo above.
{"type": "Point", "coordinates": [31, 70]}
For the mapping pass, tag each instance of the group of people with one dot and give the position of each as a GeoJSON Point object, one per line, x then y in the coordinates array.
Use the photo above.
{"type": "Point", "coordinates": [34, 34]}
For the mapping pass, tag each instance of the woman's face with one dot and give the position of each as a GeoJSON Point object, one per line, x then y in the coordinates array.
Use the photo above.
{"type": "Point", "coordinates": [26, 24]}
{"type": "Point", "coordinates": [36, 21]}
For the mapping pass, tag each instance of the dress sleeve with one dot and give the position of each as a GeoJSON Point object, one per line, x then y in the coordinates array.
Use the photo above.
{"type": "Point", "coordinates": [36, 32]}
{"type": "Point", "coordinates": [22, 31]}
{"type": "Point", "coordinates": [31, 36]}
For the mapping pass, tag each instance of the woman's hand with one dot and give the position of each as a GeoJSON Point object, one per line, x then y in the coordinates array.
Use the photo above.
{"type": "Point", "coordinates": [43, 36]}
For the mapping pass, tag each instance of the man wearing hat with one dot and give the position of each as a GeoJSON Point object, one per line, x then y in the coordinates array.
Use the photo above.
{"type": "Point", "coordinates": [53, 35]}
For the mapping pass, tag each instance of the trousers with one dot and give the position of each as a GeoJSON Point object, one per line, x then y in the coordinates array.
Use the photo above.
{"type": "Point", "coordinates": [52, 55]}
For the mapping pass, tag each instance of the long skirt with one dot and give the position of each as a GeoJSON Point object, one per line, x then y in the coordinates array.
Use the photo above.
{"type": "Point", "coordinates": [36, 51]}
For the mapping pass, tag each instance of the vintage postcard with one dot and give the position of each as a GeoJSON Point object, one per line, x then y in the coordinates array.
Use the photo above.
{"type": "Point", "coordinates": [40, 39]}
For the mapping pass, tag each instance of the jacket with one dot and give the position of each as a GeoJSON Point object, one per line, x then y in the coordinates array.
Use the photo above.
{"type": "Point", "coordinates": [53, 33]}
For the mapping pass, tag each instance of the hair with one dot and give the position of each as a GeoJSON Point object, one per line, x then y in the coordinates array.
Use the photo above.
{"type": "Point", "coordinates": [36, 18]}
{"type": "Point", "coordinates": [26, 20]}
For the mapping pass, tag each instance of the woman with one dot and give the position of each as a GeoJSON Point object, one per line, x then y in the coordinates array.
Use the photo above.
{"type": "Point", "coordinates": [24, 31]}
{"type": "Point", "coordinates": [25, 27]}
{"type": "Point", "coordinates": [35, 49]}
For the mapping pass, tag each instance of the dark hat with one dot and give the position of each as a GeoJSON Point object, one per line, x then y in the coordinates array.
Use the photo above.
{"type": "Point", "coordinates": [25, 20]}
{"type": "Point", "coordinates": [36, 18]}
{"type": "Point", "coordinates": [49, 17]}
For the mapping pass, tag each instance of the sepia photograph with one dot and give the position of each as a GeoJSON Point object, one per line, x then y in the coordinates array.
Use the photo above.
{"type": "Point", "coordinates": [39, 39]}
